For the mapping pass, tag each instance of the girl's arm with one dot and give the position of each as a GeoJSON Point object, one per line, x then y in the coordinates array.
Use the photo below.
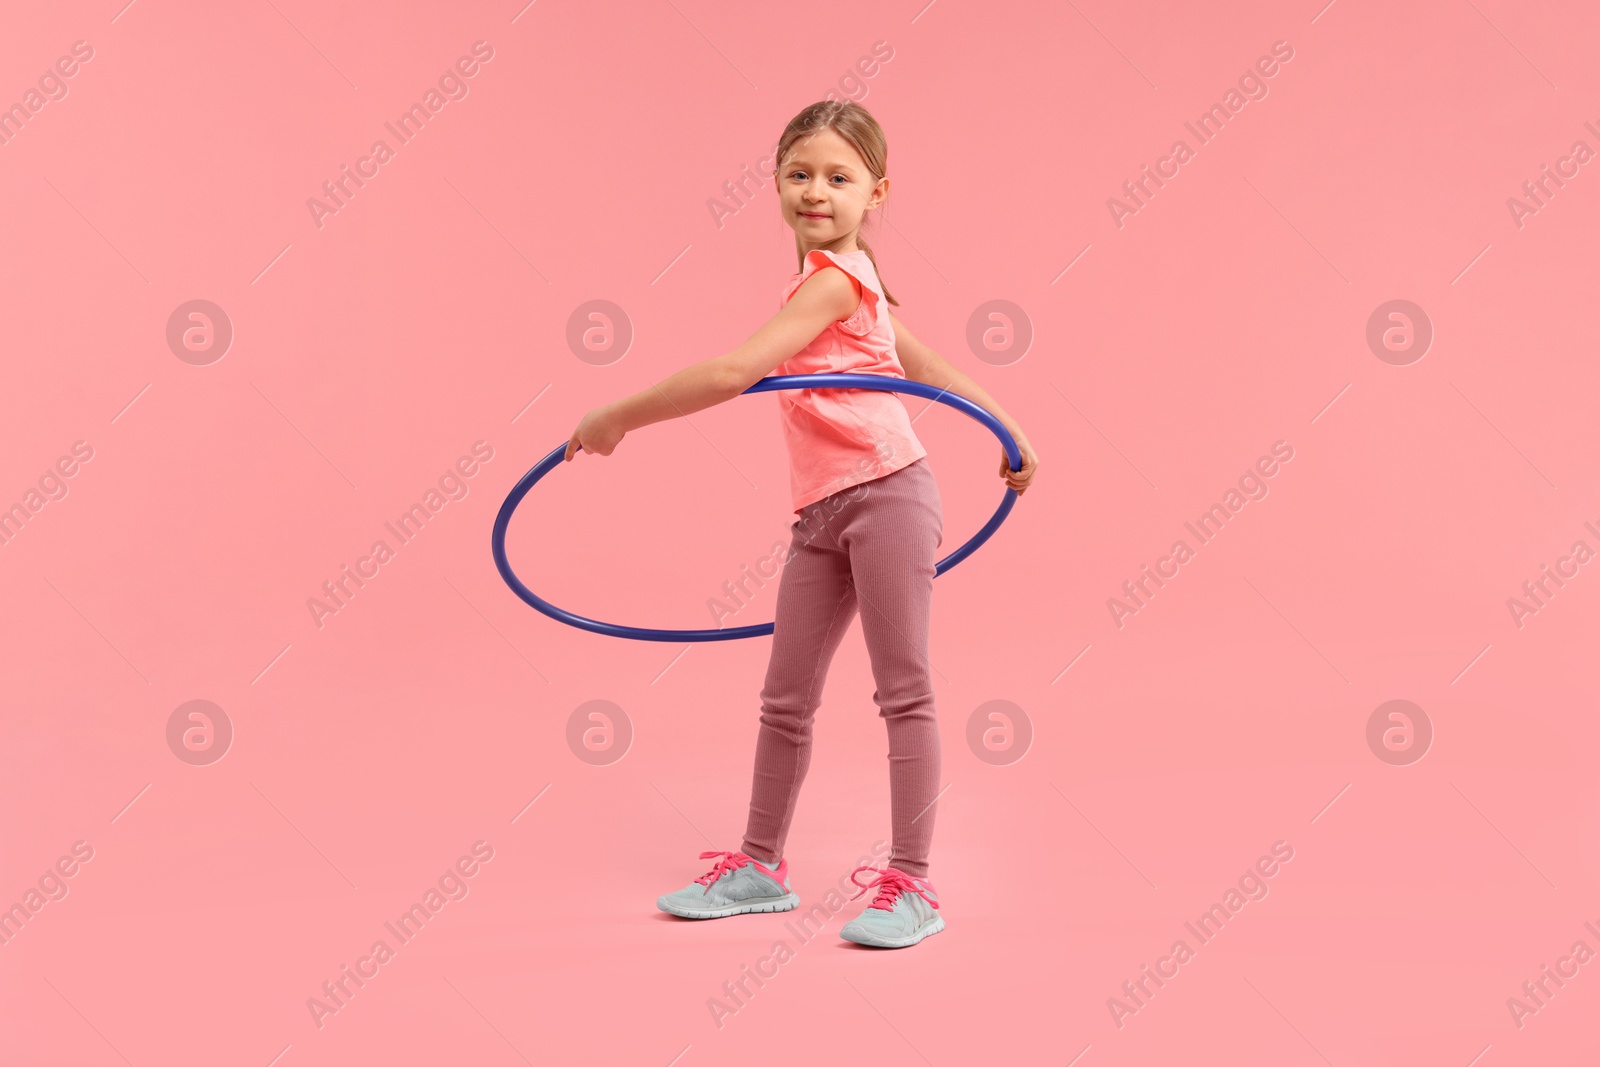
{"type": "Point", "coordinates": [923, 364]}
{"type": "Point", "coordinates": [827, 296]}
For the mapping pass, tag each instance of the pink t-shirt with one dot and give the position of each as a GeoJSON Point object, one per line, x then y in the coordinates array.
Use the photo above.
{"type": "Point", "coordinates": [838, 438]}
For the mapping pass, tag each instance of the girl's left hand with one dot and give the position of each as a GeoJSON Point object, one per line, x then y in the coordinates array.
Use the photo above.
{"type": "Point", "coordinates": [1019, 479]}
{"type": "Point", "coordinates": [598, 432]}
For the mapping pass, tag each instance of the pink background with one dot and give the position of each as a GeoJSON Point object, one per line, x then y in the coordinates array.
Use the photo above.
{"type": "Point", "coordinates": [428, 314]}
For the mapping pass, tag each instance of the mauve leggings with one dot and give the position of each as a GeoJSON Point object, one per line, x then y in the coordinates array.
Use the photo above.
{"type": "Point", "coordinates": [869, 548]}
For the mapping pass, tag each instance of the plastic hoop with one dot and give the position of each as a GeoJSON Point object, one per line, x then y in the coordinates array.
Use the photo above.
{"type": "Point", "coordinates": [881, 382]}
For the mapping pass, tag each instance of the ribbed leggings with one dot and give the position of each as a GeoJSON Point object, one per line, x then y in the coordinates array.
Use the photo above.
{"type": "Point", "coordinates": [867, 549]}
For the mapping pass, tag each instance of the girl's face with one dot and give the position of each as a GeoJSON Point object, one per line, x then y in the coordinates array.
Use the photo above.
{"type": "Point", "coordinates": [825, 190]}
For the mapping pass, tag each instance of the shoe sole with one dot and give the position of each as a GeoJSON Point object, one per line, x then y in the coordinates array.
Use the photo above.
{"type": "Point", "coordinates": [744, 907]}
{"type": "Point", "coordinates": [932, 926]}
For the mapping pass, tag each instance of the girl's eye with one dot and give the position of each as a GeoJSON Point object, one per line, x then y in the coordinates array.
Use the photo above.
{"type": "Point", "coordinates": [842, 178]}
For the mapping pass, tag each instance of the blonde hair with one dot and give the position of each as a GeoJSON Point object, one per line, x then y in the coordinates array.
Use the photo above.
{"type": "Point", "coordinates": [860, 130]}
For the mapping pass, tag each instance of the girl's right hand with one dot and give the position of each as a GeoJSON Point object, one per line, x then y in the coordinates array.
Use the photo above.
{"type": "Point", "coordinates": [1019, 479]}
{"type": "Point", "coordinates": [599, 432]}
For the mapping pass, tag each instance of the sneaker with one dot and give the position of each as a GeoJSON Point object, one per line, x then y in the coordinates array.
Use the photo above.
{"type": "Point", "coordinates": [904, 912]}
{"type": "Point", "coordinates": [736, 885]}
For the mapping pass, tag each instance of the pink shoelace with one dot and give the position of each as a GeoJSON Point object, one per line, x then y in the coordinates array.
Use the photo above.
{"type": "Point", "coordinates": [728, 861]}
{"type": "Point", "coordinates": [891, 882]}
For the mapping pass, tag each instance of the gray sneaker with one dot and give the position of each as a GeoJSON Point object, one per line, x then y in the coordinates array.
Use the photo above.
{"type": "Point", "coordinates": [736, 885]}
{"type": "Point", "coordinates": [904, 911]}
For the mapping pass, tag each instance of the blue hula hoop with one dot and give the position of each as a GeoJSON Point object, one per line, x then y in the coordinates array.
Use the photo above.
{"type": "Point", "coordinates": [882, 382]}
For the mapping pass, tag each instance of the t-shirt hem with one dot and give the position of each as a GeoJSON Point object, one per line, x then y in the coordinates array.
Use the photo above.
{"type": "Point", "coordinates": [860, 478]}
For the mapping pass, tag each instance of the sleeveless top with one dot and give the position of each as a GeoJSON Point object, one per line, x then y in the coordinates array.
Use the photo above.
{"type": "Point", "coordinates": [838, 438]}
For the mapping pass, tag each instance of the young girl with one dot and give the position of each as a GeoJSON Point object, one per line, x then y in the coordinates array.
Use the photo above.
{"type": "Point", "coordinates": [870, 520]}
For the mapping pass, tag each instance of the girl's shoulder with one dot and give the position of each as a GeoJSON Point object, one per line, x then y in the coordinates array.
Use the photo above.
{"type": "Point", "coordinates": [855, 263]}
{"type": "Point", "coordinates": [859, 266]}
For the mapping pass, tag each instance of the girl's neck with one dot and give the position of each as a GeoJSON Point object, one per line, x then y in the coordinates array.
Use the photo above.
{"type": "Point", "coordinates": [804, 251]}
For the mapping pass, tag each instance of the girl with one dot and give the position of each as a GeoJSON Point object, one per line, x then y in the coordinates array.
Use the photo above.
{"type": "Point", "coordinates": [870, 520]}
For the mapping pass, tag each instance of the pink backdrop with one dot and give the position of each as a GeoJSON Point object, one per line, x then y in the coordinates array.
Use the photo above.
{"type": "Point", "coordinates": [182, 479]}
